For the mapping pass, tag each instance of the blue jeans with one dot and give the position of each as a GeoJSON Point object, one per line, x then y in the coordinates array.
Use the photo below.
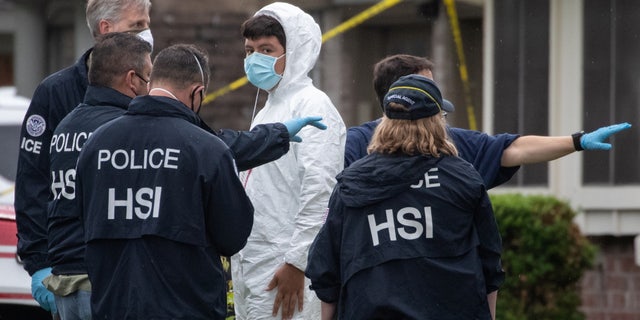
{"type": "Point", "coordinates": [76, 306]}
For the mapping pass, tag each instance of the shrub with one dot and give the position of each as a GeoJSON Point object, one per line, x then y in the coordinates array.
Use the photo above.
{"type": "Point", "coordinates": [544, 255]}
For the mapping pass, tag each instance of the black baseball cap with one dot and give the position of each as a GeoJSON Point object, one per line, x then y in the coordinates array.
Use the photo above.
{"type": "Point", "coordinates": [419, 94]}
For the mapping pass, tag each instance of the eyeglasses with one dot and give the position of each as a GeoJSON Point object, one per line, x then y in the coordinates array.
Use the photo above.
{"type": "Point", "coordinates": [141, 78]}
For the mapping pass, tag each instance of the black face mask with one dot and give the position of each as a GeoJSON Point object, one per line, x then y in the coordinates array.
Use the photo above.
{"type": "Point", "coordinates": [143, 80]}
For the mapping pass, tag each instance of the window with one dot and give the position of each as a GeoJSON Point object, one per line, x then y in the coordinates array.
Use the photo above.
{"type": "Point", "coordinates": [521, 88]}
{"type": "Point", "coordinates": [612, 87]}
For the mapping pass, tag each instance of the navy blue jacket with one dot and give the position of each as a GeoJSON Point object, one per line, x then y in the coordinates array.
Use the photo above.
{"type": "Point", "coordinates": [65, 230]}
{"type": "Point", "coordinates": [408, 238]}
{"type": "Point", "coordinates": [483, 151]}
{"type": "Point", "coordinates": [161, 202]}
{"type": "Point", "coordinates": [52, 100]}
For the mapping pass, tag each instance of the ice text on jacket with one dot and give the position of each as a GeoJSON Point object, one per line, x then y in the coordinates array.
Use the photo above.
{"type": "Point", "coordinates": [430, 180]}
{"type": "Point", "coordinates": [408, 223]}
{"type": "Point", "coordinates": [30, 145]}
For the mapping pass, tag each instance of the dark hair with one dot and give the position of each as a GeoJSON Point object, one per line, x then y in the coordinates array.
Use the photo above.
{"type": "Point", "coordinates": [391, 68]}
{"type": "Point", "coordinates": [113, 55]}
{"type": "Point", "coordinates": [180, 66]}
{"type": "Point", "coordinates": [263, 26]}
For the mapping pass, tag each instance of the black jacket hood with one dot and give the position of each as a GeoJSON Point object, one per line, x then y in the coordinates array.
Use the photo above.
{"type": "Point", "coordinates": [377, 177]}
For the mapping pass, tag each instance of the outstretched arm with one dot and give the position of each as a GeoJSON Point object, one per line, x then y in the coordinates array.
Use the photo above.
{"type": "Point", "coordinates": [535, 149]}
{"type": "Point", "coordinates": [265, 142]}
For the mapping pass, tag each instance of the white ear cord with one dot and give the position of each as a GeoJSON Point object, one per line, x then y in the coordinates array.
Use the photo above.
{"type": "Point", "coordinates": [165, 91]}
{"type": "Point", "coordinates": [255, 104]}
{"type": "Point", "coordinates": [199, 67]}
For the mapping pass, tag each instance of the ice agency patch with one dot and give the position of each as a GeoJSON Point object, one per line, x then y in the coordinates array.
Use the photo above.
{"type": "Point", "coordinates": [36, 125]}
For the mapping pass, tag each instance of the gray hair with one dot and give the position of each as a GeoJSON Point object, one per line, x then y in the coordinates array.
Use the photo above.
{"type": "Point", "coordinates": [110, 10]}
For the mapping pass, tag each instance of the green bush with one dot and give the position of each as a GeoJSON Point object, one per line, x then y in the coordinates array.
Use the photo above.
{"type": "Point", "coordinates": [544, 256]}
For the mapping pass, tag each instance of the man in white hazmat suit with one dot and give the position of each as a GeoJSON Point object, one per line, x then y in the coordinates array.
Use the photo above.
{"type": "Point", "coordinates": [291, 194]}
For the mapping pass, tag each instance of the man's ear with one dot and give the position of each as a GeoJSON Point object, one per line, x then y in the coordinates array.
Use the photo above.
{"type": "Point", "coordinates": [104, 26]}
{"type": "Point", "coordinates": [129, 78]}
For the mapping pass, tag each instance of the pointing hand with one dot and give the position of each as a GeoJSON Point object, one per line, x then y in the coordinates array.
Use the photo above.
{"type": "Point", "coordinates": [296, 124]}
{"type": "Point", "coordinates": [595, 140]}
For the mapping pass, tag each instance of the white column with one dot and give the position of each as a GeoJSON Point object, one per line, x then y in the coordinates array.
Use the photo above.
{"type": "Point", "coordinates": [565, 91]}
{"type": "Point", "coordinates": [488, 76]}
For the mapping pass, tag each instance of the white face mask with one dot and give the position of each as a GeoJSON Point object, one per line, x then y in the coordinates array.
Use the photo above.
{"type": "Point", "coordinates": [146, 36]}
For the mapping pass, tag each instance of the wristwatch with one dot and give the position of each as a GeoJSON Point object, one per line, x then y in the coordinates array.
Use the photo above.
{"type": "Point", "coordinates": [576, 140]}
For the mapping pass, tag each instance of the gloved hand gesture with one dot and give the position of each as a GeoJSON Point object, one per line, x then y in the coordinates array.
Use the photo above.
{"type": "Point", "coordinates": [595, 140]}
{"type": "Point", "coordinates": [40, 293]}
{"type": "Point", "coordinates": [296, 124]}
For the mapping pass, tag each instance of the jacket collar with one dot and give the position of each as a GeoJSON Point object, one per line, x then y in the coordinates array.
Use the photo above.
{"type": "Point", "coordinates": [105, 96]}
{"type": "Point", "coordinates": [159, 106]}
{"type": "Point", "coordinates": [82, 69]}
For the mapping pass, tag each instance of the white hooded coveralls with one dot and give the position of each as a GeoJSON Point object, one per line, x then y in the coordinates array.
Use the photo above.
{"type": "Point", "coordinates": [291, 194]}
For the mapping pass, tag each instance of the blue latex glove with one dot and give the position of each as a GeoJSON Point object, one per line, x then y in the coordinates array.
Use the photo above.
{"type": "Point", "coordinates": [40, 293]}
{"type": "Point", "coordinates": [595, 140]}
{"type": "Point", "coordinates": [296, 124]}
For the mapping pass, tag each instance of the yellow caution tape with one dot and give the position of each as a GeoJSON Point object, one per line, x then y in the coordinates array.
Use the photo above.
{"type": "Point", "coordinates": [343, 27]}
{"type": "Point", "coordinates": [360, 18]}
{"type": "Point", "coordinates": [7, 191]}
{"type": "Point", "coordinates": [464, 75]}
{"type": "Point", "coordinates": [224, 90]}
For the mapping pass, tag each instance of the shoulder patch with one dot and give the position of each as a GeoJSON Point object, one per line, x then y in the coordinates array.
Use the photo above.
{"type": "Point", "coordinates": [36, 125]}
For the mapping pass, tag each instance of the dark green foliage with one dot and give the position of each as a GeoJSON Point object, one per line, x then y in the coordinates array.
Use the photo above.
{"type": "Point", "coordinates": [544, 255]}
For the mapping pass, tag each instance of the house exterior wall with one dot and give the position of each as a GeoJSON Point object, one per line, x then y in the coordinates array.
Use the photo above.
{"type": "Point", "coordinates": [608, 212]}
{"type": "Point", "coordinates": [611, 289]}
{"type": "Point", "coordinates": [24, 24]}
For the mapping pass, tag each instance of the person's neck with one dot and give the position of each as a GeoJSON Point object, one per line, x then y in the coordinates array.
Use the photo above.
{"type": "Point", "coordinates": [162, 92]}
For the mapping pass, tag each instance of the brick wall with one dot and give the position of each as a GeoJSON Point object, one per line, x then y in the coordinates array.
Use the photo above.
{"type": "Point", "coordinates": [611, 289]}
{"type": "Point", "coordinates": [214, 26]}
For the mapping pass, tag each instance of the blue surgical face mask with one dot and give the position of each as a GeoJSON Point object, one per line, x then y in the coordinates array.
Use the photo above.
{"type": "Point", "coordinates": [260, 70]}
